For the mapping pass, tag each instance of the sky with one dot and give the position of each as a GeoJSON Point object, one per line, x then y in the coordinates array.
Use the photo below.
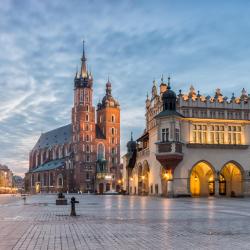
{"type": "Point", "coordinates": [203, 43]}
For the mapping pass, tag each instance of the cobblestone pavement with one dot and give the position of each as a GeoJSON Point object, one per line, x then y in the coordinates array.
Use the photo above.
{"type": "Point", "coordinates": [122, 222]}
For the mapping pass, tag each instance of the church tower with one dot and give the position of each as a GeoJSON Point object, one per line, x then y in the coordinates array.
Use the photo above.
{"type": "Point", "coordinates": [83, 125]}
{"type": "Point", "coordinates": [108, 120]}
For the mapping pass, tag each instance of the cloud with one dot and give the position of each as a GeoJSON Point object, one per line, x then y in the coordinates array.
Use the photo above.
{"type": "Point", "coordinates": [133, 42]}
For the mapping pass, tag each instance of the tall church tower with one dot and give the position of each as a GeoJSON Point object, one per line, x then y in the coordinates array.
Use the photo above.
{"type": "Point", "coordinates": [108, 120]}
{"type": "Point", "coordinates": [83, 123]}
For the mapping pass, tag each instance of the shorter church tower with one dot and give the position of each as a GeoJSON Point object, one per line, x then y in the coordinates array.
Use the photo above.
{"type": "Point", "coordinates": [108, 122]}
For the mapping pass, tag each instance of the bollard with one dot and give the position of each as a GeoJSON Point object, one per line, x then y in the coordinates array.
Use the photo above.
{"type": "Point", "coordinates": [73, 206]}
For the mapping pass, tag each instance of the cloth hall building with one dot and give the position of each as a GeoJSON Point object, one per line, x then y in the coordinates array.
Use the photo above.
{"type": "Point", "coordinates": [193, 145]}
{"type": "Point", "coordinates": [84, 155]}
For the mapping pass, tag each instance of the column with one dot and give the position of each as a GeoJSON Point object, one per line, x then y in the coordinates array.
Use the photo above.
{"type": "Point", "coordinates": [216, 187]}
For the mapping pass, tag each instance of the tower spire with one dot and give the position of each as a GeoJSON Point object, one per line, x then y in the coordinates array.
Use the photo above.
{"type": "Point", "coordinates": [169, 82]}
{"type": "Point", "coordinates": [84, 64]}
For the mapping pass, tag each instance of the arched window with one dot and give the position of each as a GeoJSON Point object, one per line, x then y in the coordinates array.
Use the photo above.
{"type": "Point", "coordinates": [87, 137]}
{"type": "Point", "coordinates": [59, 180]}
{"type": "Point", "coordinates": [81, 96]}
{"type": "Point", "coordinates": [112, 118]}
{"type": "Point", "coordinates": [87, 108]}
{"type": "Point", "coordinates": [100, 151]}
{"type": "Point", "coordinates": [87, 118]}
{"type": "Point", "coordinates": [112, 131]}
{"type": "Point", "coordinates": [87, 148]}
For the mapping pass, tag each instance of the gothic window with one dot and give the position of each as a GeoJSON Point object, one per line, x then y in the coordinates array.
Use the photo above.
{"type": "Point", "coordinates": [87, 118]}
{"type": "Point", "coordinates": [32, 180]}
{"type": "Point", "coordinates": [113, 140]}
{"type": "Point", "coordinates": [87, 97]}
{"type": "Point", "coordinates": [100, 151]}
{"type": "Point", "coordinates": [51, 179]}
{"type": "Point", "coordinates": [87, 127]}
{"type": "Point", "coordinates": [87, 176]}
{"type": "Point", "coordinates": [87, 137]}
{"type": "Point", "coordinates": [113, 151]}
{"type": "Point", "coordinates": [59, 180]}
{"type": "Point", "coordinates": [165, 134]}
{"type": "Point", "coordinates": [81, 96]}
{"type": "Point", "coordinates": [112, 118]}
{"type": "Point", "coordinates": [112, 131]}
{"type": "Point", "coordinates": [87, 148]}
{"type": "Point", "coordinates": [88, 158]}
{"type": "Point", "coordinates": [87, 108]}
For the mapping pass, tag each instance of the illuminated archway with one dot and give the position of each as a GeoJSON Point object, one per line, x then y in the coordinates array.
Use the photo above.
{"type": "Point", "coordinates": [202, 178]}
{"type": "Point", "coordinates": [145, 178]}
{"type": "Point", "coordinates": [231, 179]}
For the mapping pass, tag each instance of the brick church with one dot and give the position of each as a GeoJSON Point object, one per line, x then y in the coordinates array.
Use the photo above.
{"type": "Point", "coordinates": [84, 155]}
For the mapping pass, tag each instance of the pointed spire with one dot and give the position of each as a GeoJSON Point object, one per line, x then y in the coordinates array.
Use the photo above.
{"type": "Point", "coordinates": [132, 136]}
{"type": "Point", "coordinates": [162, 80]}
{"type": "Point", "coordinates": [76, 72]}
{"type": "Point", "coordinates": [169, 83]}
{"type": "Point", "coordinates": [108, 87]}
{"type": "Point", "coordinates": [84, 64]}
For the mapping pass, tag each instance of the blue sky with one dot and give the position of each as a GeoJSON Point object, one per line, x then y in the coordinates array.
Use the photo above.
{"type": "Point", "coordinates": [204, 43]}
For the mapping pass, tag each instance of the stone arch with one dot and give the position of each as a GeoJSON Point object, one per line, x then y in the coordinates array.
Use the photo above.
{"type": "Point", "coordinates": [202, 179]}
{"type": "Point", "coordinates": [231, 179]}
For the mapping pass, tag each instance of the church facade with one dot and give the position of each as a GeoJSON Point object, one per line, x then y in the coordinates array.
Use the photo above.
{"type": "Point", "coordinates": [84, 155]}
{"type": "Point", "coordinates": [193, 145]}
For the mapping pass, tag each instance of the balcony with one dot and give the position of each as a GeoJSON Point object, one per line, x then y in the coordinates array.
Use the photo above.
{"type": "Point", "coordinates": [169, 154]}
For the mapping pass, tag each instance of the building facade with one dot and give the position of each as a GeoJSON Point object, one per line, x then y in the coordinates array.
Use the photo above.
{"type": "Point", "coordinates": [193, 145]}
{"type": "Point", "coordinates": [84, 155]}
{"type": "Point", "coordinates": [6, 179]}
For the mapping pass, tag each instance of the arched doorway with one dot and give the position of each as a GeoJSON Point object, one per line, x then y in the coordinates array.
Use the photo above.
{"type": "Point", "coordinates": [231, 180]}
{"type": "Point", "coordinates": [202, 178]}
{"type": "Point", "coordinates": [145, 178]}
{"type": "Point", "coordinates": [101, 188]}
{"type": "Point", "coordinates": [139, 174]}
{"type": "Point", "coordinates": [107, 187]}
{"type": "Point", "coordinates": [60, 181]}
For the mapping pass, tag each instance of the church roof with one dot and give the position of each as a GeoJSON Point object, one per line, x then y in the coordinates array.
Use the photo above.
{"type": "Point", "coordinates": [54, 137]}
{"type": "Point", "coordinates": [49, 166]}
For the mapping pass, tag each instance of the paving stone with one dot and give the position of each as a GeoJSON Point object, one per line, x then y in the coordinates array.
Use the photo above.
{"type": "Point", "coordinates": [123, 222]}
